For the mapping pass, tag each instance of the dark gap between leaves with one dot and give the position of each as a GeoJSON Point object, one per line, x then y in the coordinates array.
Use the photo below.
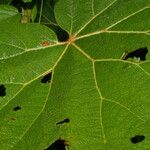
{"type": "Point", "coordinates": [25, 9]}
{"type": "Point", "coordinates": [2, 90]}
{"type": "Point", "coordinates": [20, 4]}
{"type": "Point", "coordinates": [47, 78]}
{"type": "Point", "coordinates": [137, 139]}
{"type": "Point", "coordinates": [53, 2]}
{"type": "Point", "coordinates": [58, 145]}
{"type": "Point", "coordinates": [16, 108]}
{"type": "Point", "coordinates": [62, 35]}
{"type": "Point", "coordinates": [139, 53]}
{"type": "Point", "coordinates": [66, 120]}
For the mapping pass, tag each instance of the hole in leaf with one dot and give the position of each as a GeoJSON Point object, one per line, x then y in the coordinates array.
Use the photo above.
{"type": "Point", "coordinates": [66, 120]}
{"type": "Point", "coordinates": [58, 145]}
{"type": "Point", "coordinates": [139, 53]}
{"type": "Point", "coordinates": [47, 78]}
{"type": "Point", "coordinates": [16, 108]}
{"type": "Point", "coordinates": [2, 90]}
{"type": "Point", "coordinates": [137, 139]}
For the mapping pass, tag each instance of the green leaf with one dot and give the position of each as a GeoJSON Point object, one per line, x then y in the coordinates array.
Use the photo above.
{"type": "Point", "coordinates": [82, 94]}
{"type": "Point", "coordinates": [34, 13]}
{"type": "Point", "coordinates": [7, 11]}
{"type": "Point", "coordinates": [46, 16]}
{"type": "Point", "coordinates": [27, 1]}
{"type": "Point", "coordinates": [46, 13]}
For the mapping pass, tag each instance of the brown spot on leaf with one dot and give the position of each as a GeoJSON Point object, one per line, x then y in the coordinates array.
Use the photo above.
{"type": "Point", "coordinates": [46, 43]}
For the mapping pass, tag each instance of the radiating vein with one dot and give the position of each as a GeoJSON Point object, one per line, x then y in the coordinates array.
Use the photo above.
{"type": "Point", "coordinates": [95, 17]}
{"type": "Point", "coordinates": [46, 96]}
{"type": "Point", "coordinates": [125, 61]}
{"type": "Point", "coordinates": [8, 44]}
{"type": "Point", "coordinates": [37, 115]}
{"type": "Point", "coordinates": [101, 103]}
{"type": "Point", "coordinates": [27, 83]}
{"type": "Point", "coordinates": [81, 51]}
{"type": "Point", "coordinates": [126, 108]}
{"type": "Point", "coordinates": [109, 27]}
{"type": "Point", "coordinates": [29, 50]}
{"type": "Point", "coordinates": [111, 32]}
{"type": "Point", "coordinates": [127, 17]}
{"type": "Point", "coordinates": [13, 97]}
{"type": "Point", "coordinates": [21, 89]}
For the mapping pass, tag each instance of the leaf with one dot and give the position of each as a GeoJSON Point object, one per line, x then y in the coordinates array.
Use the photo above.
{"type": "Point", "coordinates": [80, 94]}
{"type": "Point", "coordinates": [7, 11]}
{"type": "Point", "coordinates": [46, 17]}
{"type": "Point", "coordinates": [34, 13]}
{"type": "Point", "coordinates": [47, 13]}
{"type": "Point", "coordinates": [27, 1]}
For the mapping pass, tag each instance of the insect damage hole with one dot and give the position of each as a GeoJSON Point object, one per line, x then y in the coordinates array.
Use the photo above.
{"type": "Point", "coordinates": [2, 90]}
{"type": "Point", "coordinates": [17, 108]}
{"type": "Point", "coordinates": [139, 54]}
{"type": "Point", "coordinates": [47, 78]}
{"type": "Point", "coordinates": [137, 139]}
{"type": "Point", "coordinates": [59, 144]}
{"type": "Point", "coordinates": [66, 120]}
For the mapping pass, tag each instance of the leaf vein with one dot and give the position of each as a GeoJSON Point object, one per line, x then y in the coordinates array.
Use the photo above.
{"type": "Point", "coordinates": [101, 103]}
{"type": "Point", "coordinates": [95, 17]}
{"type": "Point", "coordinates": [127, 17]}
{"type": "Point", "coordinates": [109, 100]}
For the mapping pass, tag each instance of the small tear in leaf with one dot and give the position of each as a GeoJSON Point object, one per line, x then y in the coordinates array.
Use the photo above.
{"type": "Point", "coordinates": [2, 90]}
{"type": "Point", "coordinates": [66, 120]}
{"type": "Point", "coordinates": [139, 54]}
{"type": "Point", "coordinates": [59, 145]}
{"type": "Point", "coordinates": [47, 78]}
{"type": "Point", "coordinates": [16, 108]}
{"type": "Point", "coordinates": [137, 139]}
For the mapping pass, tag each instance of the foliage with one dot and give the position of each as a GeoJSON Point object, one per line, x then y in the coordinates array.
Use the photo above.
{"type": "Point", "coordinates": [75, 75]}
